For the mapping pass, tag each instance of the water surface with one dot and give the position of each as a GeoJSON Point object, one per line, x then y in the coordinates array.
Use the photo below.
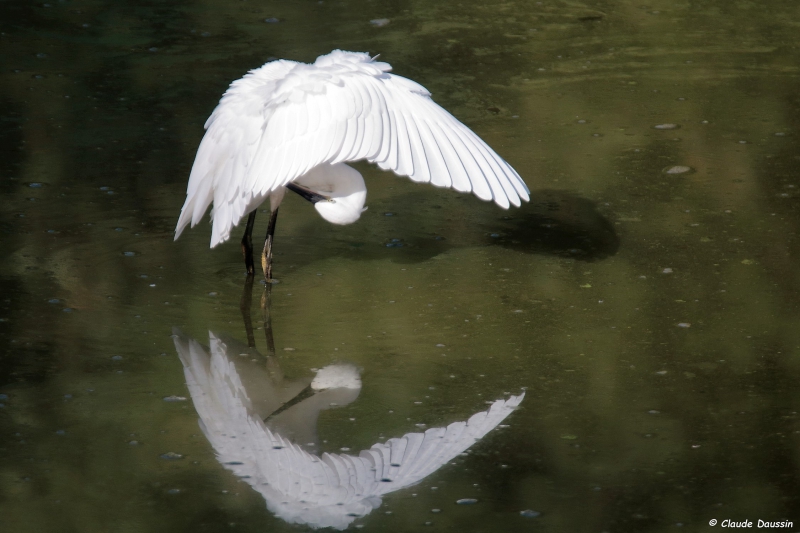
{"type": "Point", "coordinates": [648, 311]}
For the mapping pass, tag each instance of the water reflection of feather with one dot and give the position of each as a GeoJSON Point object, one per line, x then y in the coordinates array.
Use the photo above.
{"type": "Point", "coordinates": [330, 490]}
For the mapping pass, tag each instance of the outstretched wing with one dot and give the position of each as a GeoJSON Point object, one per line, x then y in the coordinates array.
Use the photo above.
{"type": "Point", "coordinates": [285, 118]}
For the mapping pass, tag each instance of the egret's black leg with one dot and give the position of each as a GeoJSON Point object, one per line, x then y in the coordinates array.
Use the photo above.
{"type": "Point", "coordinates": [266, 255]}
{"type": "Point", "coordinates": [247, 244]}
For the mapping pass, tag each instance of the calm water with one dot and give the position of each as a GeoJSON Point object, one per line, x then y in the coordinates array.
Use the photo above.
{"type": "Point", "coordinates": [649, 312]}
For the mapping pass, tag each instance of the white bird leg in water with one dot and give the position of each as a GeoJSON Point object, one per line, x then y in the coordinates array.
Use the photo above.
{"type": "Point", "coordinates": [293, 125]}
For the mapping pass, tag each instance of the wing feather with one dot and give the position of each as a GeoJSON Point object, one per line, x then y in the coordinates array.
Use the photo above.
{"type": "Point", "coordinates": [388, 128]}
{"type": "Point", "coordinates": [459, 136]}
{"type": "Point", "coordinates": [362, 114]}
{"type": "Point", "coordinates": [402, 160]}
{"type": "Point", "coordinates": [480, 187]}
{"type": "Point", "coordinates": [312, 127]}
{"type": "Point", "coordinates": [376, 126]}
{"type": "Point", "coordinates": [438, 174]}
{"type": "Point", "coordinates": [335, 126]}
{"type": "Point", "coordinates": [420, 169]}
{"type": "Point", "coordinates": [395, 140]}
{"type": "Point", "coordinates": [351, 128]}
{"type": "Point", "coordinates": [459, 179]}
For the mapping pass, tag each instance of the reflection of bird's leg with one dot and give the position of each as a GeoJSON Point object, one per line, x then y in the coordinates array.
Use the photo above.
{"type": "Point", "coordinates": [247, 244]}
{"type": "Point", "coordinates": [244, 305]}
{"type": "Point", "coordinates": [266, 255]}
{"type": "Point", "coordinates": [266, 303]}
{"type": "Point", "coordinates": [273, 367]}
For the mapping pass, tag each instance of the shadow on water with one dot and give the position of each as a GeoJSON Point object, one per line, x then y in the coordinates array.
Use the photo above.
{"type": "Point", "coordinates": [263, 428]}
{"type": "Point", "coordinates": [555, 223]}
{"type": "Point", "coordinates": [559, 223]}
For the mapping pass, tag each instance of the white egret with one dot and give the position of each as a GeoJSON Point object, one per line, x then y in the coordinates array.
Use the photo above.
{"type": "Point", "coordinates": [290, 125]}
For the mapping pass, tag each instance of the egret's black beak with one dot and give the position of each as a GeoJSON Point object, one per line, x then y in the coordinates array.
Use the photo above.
{"type": "Point", "coordinates": [308, 194]}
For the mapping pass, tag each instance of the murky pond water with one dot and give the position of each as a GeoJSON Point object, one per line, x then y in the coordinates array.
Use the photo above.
{"type": "Point", "coordinates": [645, 301]}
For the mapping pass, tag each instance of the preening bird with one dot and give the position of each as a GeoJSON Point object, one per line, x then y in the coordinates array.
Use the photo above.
{"type": "Point", "coordinates": [290, 125]}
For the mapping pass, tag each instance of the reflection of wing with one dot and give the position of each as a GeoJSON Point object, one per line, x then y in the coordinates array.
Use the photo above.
{"type": "Point", "coordinates": [402, 462]}
{"type": "Point", "coordinates": [204, 373]}
{"type": "Point", "coordinates": [335, 489]}
{"type": "Point", "coordinates": [299, 487]}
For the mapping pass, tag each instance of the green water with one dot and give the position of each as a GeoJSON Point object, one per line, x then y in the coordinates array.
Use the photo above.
{"type": "Point", "coordinates": [650, 317]}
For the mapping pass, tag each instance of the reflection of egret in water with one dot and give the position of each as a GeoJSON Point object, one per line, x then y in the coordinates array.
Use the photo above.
{"type": "Point", "coordinates": [264, 434]}
{"type": "Point", "coordinates": [228, 372]}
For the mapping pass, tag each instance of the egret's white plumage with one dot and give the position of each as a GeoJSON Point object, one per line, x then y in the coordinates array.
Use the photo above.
{"type": "Point", "coordinates": [344, 185]}
{"type": "Point", "coordinates": [327, 490]}
{"type": "Point", "coordinates": [284, 119]}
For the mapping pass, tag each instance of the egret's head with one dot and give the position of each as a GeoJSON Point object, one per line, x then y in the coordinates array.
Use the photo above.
{"type": "Point", "coordinates": [342, 211]}
{"type": "Point", "coordinates": [345, 187]}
